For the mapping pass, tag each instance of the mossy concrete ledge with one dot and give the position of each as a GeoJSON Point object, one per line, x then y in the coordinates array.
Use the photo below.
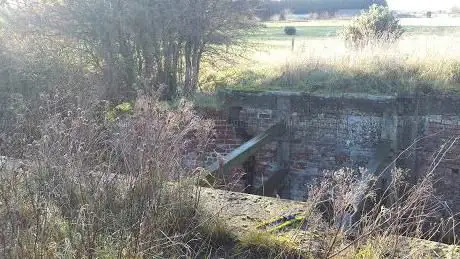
{"type": "Point", "coordinates": [242, 214]}
{"type": "Point", "coordinates": [408, 104]}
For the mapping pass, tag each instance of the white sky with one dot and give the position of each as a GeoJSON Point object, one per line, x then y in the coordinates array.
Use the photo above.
{"type": "Point", "coordinates": [416, 5]}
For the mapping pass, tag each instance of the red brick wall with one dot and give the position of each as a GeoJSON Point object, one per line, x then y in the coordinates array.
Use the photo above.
{"type": "Point", "coordinates": [222, 141]}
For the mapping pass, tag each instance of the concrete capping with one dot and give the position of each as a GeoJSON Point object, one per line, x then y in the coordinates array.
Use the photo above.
{"type": "Point", "coordinates": [370, 104]}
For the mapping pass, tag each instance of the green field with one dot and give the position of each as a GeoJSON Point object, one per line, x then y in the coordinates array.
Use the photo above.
{"type": "Point", "coordinates": [427, 58]}
{"type": "Point", "coordinates": [324, 29]}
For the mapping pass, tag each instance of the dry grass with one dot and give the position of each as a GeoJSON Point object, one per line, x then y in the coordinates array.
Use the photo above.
{"type": "Point", "coordinates": [99, 189]}
{"type": "Point", "coordinates": [413, 63]}
{"type": "Point", "coordinates": [267, 245]}
{"type": "Point", "coordinates": [354, 214]}
{"type": "Point", "coordinates": [367, 218]}
{"type": "Point", "coordinates": [326, 66]}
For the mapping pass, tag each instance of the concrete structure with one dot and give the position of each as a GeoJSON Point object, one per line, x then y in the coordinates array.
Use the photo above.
{"type": "Point", "coordinates": [330, 132]}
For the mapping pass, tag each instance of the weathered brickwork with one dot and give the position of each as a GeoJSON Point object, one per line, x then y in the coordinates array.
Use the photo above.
{"type": "Point", "coordinates": [317, 142]}
{"type": "Point", "coordinates": [223, 140]}
{"type": "Point", "coordinates": [441, 144]}
{"type": "Point", "coordinates": [326, 133]}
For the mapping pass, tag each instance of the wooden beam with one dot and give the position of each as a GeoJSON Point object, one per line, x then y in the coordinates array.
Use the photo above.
{"type": "Point", "coordinates": [240, 154]}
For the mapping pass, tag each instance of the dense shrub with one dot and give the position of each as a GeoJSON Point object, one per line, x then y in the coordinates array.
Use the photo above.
{"type": "Point", "coordinates": [31, 74]}
{"type": "Point", "coordinates": [375, 26]}
{"type": "Point", "coordinates": [290, 30]}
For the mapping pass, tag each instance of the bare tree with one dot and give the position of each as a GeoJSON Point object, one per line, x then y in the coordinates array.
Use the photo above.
{"type": "Point", "coordinates": [143, 44]}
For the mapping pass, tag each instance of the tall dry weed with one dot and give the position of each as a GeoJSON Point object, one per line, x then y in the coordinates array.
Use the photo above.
{"type": "Point", "coordinates": [358, 210]}
{"type": "Point", "coordinates": [99, 188]}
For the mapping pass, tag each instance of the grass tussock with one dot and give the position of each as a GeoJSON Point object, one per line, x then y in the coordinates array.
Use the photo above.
{"type": "Point", "coordinates": [267, 245]}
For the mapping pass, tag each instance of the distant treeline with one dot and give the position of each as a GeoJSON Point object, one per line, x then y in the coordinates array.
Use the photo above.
{"type": "Point", "coordinates": [269, 7]}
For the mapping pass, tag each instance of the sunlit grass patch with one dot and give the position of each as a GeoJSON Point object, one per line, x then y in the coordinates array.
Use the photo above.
{"type": "Point", "coordinates": [267, 245]}
{"type": "Point", "coordinates": [427, 64]}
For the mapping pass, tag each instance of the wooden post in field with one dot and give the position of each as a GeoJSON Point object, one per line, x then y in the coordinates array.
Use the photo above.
{"type": "Point", "coordinates": [293, 41]}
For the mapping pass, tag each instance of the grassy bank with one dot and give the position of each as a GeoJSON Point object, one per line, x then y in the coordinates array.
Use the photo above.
{"type": "Point", "coordinates": [427, 58]}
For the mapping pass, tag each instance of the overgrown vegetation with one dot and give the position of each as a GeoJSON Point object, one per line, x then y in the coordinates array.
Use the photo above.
{"type": "Point", "coordinates": [81, 90]}
{"type": "Point", "coordinates": [361, 208]}
{"type": "Point", "coordinates": [352, 214]}
{"type": "Point", "coordinates": [267, 245]}
{"type": "Point", "coordinates": [91, 188]}
{"type": "Point", "coordinates": [387, 71]}
{"type": "Point", "coordinates": [424, 59]}
{"type": "Point", "coordinates": [374, 27]}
